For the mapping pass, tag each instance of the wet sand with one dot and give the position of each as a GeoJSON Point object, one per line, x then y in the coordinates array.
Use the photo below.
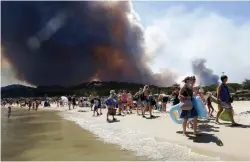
{"type": "Point", "coordinates": [45, 136]}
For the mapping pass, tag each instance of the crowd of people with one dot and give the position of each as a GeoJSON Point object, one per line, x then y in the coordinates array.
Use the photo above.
{"type": "Point", "coordinates": [181, 95]}
{"type": "Point", "coordinates": [144, 101]}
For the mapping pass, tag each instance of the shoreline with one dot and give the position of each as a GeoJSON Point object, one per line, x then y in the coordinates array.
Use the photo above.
{"type": "Point", "coordinates": [217, 140]}
{"type": "Point", "coordinates": [206, 149]}
{"type": "Point", "coordinates": [28, 136]}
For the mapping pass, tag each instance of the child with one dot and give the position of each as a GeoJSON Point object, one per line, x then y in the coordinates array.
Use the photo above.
{"type": "Point", "coordinates": [9, 111]}
{"type": "Point", "coordinates": [209, 105]}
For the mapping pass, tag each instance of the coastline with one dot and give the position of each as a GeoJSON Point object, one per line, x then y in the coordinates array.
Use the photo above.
{"type": "Point", "coordinates": [217, 142]}
{"type": "Point", "coordinates": [44, 135]}
{"type": "Point", "coordinates": [161, 139]}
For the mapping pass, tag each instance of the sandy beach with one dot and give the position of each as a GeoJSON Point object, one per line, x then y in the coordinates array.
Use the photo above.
{"type": "Point", "coordinates": [153, 139]}
{"type": "Point", "coordinates": [45, 136]}
{"type": "Point", "coordinates": [161, 139]}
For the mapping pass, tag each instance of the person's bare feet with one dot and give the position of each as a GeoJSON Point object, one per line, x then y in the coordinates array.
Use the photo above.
{"type": "Point", "coordinates": [185, 134]}
{"type": "Point", "coordinates": [217, 122]}
{"type": "Point", "coordinates": [196, 134]}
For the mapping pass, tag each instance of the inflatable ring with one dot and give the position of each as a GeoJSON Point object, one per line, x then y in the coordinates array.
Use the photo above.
{"type": "Point", "coordinates": [200, 108]}
{"type": "Point", "coordinates": [175, 111]}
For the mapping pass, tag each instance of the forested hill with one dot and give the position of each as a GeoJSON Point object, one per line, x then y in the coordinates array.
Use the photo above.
{"type": "Point", "coordinates": [101, 88]}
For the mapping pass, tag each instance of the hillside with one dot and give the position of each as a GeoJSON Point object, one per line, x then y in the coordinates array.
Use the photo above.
{"type": "Point", "coordinates": [84, 89]}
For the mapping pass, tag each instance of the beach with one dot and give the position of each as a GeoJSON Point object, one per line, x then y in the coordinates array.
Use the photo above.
{"type": "Point", "coordinates": [45, 136]}
{"type": "Point", "coordinates": [162, 139]}
{"type": "Point", "coordinates": [136, 137]}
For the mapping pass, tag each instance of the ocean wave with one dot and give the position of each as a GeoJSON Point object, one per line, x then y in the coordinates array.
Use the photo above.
{"type": "Point", "coordinates": [135, 140]}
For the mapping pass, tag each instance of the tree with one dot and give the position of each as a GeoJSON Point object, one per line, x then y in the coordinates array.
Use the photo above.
{"type": "Point", "coordinates": [246, 84]}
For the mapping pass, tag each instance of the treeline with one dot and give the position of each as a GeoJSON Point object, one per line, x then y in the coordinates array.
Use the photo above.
{"type": "Point", "coordinates": [100, 88]}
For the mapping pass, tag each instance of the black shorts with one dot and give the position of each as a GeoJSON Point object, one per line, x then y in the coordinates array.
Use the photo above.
{"type": "Point", "coordinates": [165, 99]}
{"type": "Point", "coordinates": [152, 103]}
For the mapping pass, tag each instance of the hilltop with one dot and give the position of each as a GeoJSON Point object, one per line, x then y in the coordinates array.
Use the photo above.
{"type": "Point", "coordinates": [101, 88]}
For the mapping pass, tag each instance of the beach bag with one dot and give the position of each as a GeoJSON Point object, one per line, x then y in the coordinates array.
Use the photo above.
{"type": "Point", "coordinates": [225, 116]}
{"type": "Point", "coordinates": [186, 105]}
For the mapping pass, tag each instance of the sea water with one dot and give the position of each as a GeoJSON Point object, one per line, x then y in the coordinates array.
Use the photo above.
{"type": "Point", "coordinates": [135, 140]}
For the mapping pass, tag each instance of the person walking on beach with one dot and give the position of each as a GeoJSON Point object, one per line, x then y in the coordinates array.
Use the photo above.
{"type": "Point", "coordinates": [130, 103]}
{"type": "Point", "coordinates": [119, 100]}
{"type": "Point", "coordinates": [96, 104]}
{"type": "Point", "coordinates": [74, 102]}
{"type": "Point", "coordinates": [9, 111]}
{"type": "Point", "coordinates": [152, 102]}
{"type": "Point", "coordinates": [146, 102]}
{"type": "Point", "coordinates": [175, 95]}
{"type": "Point", "coordinates": [29, 104]}
{"type": "Point", "coordinates": [111, 105]}
{"type": "Point", "coordinates": [209, 105]}
{"type": "Point", "coordinates": [137, 96]}
{"type": "Point", "coordinates": [195, 93]}
{"type": "Point", "coordinates": [124, 98]}
{"type": "Point", "coordinates": [99, 105]}
{"type": "Point", "coordinates": [91, 102]}
{"type": "Point", "coordinates": [224, 100]}
{"type": "Point", "coordinates": [37, 103]}
{"type": "Point", "coordinates": [187, 107]}
{"type": "Point", "coordinates": [69, 102]}
{"type": "Point", "coordinates": [164, 102]}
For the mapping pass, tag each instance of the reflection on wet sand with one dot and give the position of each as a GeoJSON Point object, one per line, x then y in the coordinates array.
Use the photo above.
{"type": "Point", "coordinates": [45, 136]}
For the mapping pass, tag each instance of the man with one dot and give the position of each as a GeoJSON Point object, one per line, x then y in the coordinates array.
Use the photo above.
{"type": "Point", "coordinates": [74, 101]}
{"type": "Point", "coordinates": [224, 100]}
{"type": "Point", "coordinates": [69, 101]}
{"type": "Point", "coordinates": [91, 100]}
{"type": "Point", "coordinates": [99, 105]}
{"type": "Point", "coordinates": [138, 98]}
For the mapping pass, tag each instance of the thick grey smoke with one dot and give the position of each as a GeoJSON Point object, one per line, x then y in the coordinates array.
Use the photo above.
{"type": "Point", "coordinates": [66, 43]}
{"type": "Point", "coordinates": [205, 76]}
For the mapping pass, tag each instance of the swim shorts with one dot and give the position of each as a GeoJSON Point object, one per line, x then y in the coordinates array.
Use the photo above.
{"type": "Point", "coordinates": [225, 105]}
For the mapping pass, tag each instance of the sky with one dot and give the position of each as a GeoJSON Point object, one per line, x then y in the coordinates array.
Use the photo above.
{"type": "Point", "coordinates": [177, 32]}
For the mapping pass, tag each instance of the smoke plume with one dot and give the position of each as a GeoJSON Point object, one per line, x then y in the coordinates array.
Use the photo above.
{"type": "Point", "coordinates": [204, 75]}
{"type": "Point", "coordinates": [66, 43]}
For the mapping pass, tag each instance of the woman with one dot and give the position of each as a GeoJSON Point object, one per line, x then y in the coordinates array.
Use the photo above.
{"type": "Point", "coordinates": [111, 106]}
{"type": "Point", "coordinates": [195, 93]}
{"type": "Point", "coordinates": [164, 101]}
{"type": "Point", "coordinates": [129, 103]}
{"type": "Point", "coordinates": [119, 100]}
{"type": "Point", "coordinates": [185, 95]}
{"type": "Point", "coordinates": [124, 98]}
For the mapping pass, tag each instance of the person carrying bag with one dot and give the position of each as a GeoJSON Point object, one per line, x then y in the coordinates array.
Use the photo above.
{"type": "Point", "coordinates": [186, 105]}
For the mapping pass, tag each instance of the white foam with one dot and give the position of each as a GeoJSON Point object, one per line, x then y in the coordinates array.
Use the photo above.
{"type": "Point", "coordinates": [135, 140]}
